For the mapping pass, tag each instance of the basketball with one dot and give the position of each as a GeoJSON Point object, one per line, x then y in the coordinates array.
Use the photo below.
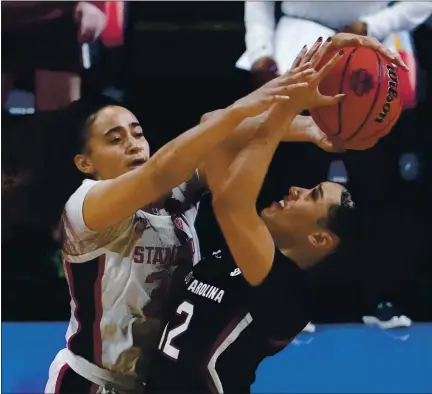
{"type": "Point", "coordinates": [372, 103]}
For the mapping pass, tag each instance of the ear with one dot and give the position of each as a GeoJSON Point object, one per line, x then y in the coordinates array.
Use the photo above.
{"type": "Point", "coordinates": [321, 240]}
{"type": "Point", "coordinates": [84, 164]}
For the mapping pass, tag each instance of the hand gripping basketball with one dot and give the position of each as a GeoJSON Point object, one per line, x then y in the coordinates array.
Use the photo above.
{"type": "Point", "coordinates": [343, 40]}
{"type": "Point", "coordinates": [311, 96]}
{"type": "Point", "coordinates": [276, 91]}
{"type": "Point", "coordinates": [372, 104]}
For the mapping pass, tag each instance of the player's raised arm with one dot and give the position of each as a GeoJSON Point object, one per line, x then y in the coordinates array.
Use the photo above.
{"type": "Point", "coordinates": [111, 201]}
{"type": "Point", "coordinates": [301, 129]}
{"type": "Point", "coordinates": [235, 187]}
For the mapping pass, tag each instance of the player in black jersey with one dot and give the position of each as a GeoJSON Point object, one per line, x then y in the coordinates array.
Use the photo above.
{"type": "Point", "coordinates": [249, 299]}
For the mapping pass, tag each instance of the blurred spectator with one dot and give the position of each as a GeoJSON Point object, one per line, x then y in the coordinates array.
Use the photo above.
{"type": "Point", "coordinates": [269, 44]}
{"type": "Point", "coordinates": [386, 316]}
{"type": "Point", "coordinates": [45, 37]}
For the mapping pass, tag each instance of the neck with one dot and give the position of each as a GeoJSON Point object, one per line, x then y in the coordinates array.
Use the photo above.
{"type": "Point", "coordinates": [303, 259]}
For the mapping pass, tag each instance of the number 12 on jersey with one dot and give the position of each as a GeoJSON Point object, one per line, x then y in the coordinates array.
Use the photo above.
{"type": "Point", "coordinates": [185, 308]}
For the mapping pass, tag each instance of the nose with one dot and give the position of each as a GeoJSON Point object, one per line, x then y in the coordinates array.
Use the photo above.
{"type": "Point", "coordinates": [132, 146]}
{"type": "Point", "coordinates": [297, 191]}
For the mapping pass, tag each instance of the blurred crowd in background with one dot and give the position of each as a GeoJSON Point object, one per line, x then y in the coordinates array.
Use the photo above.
{"type": "Point", "coordinates": [169, 63]}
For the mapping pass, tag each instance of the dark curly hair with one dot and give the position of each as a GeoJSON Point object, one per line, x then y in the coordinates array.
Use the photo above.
{"type": "Point", "coordinates": [341, 219]}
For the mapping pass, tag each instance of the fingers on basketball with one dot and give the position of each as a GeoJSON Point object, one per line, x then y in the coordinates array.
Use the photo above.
{"type": "Point", "coordinates": [293, 76]}
{"type": "Point", "coordinates": [325, 101]}
{"type": "Point", "coordinates": [328, 146]}
{"type": "Point", "coordinates": [329, 65]}
{"type": "Point", "coordinates": [303, 74]}
{"type": "Point", "coordinates": [323, 49]}
{"type": "Point", "coordinates": [304, 67]}
{"type": "Point", "coordinates": [298, 60]}
{"type": "Point", "coordinates": [315, 47]}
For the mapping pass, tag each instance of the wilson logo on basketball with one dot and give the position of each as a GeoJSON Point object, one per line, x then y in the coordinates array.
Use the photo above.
{"type": "Point", "coordinates": [361, 82]}
{"type": "Point", "coordinates": [392, 93]}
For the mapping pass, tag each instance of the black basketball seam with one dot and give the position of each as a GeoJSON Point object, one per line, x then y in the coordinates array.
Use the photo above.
{"type": "Point", "coordinates": [341, 91]}
{"type": "Point", "coordinates": [377, 92]}
{"type": "Point", "coordinates": [323, 123]}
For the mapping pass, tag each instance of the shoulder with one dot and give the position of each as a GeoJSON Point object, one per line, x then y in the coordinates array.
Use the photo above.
{"type": "Point", "coordinates": [73, 211]}
{"type": "Point", "coordinates": [78, 239]}
{"type": "Point", "coordinates": [284, 277]}
{"type": "Point", "coordinates": [85, 186]}
{"type": "Point", "coordinates": [282, 300]}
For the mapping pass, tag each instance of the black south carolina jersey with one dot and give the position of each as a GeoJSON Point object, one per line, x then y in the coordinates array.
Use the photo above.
{"type": "Point", "coordinates": [219, 327]}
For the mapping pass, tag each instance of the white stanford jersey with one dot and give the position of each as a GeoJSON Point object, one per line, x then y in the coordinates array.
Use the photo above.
{"type": "Point", "coordinates": [117, 279]}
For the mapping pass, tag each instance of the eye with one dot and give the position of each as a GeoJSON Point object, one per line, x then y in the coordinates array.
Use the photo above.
{"type": "Point", "coordinates": [138, 132]}
{"type": "Point", "coordinates": [314, 194]}
{"type": "Point", "coordinates": [115, 140]}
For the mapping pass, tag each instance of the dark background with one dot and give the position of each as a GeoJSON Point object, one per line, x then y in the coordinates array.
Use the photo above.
{"type": "Point", "coordinates": [178, 63]}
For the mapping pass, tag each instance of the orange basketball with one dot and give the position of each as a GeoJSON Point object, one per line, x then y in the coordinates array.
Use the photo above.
{"type": "Point", "coordinates": [372, 103]}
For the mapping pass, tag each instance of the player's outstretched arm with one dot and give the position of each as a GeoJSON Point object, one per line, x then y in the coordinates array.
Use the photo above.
{"type": "Point", "coordinates": [235, 179]}
{"type": "Point", "coordinates": [234, 206]}
{"type": "Point", "coordinates": [235, 187]}
{"type": "Point", "coordinates": [111, 201]}
{"type": "Point", "coordinates": [301, 129]}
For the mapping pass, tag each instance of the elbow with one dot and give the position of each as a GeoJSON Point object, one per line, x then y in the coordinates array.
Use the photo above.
{"type": "Point", "coordinates": [221, 200]}
{"type": "Point", "coordinates": [226, 201]}
{"type": "Point", "coordinates": [223, 207]}
{"type": "Point", "coordinates": [231, 210]}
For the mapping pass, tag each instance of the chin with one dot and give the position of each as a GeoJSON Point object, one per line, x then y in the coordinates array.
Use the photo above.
{"type": "Point", "coordinates": [265, 213]}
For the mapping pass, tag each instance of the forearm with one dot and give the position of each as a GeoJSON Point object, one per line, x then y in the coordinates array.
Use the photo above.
{"type": "Point", "coordinates": [246, 131]}
{"type": "Point", "coordinates": [181, 156]}
{"type": "Point", "coordinates": [111, 201]}
{"type": "Point", "coordinates": [224, 153]}
{"type": "Point", "coordinates": [246, 174]}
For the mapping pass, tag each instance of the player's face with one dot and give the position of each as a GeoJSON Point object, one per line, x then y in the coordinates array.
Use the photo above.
{"type": "Point", "coordinates": [115, 145]}
{"type": "Point", "coordinates": [296, 219]}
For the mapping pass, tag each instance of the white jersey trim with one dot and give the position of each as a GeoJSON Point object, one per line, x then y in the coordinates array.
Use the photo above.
{"type": "Point", "coordinates": [232, 336]}
{"type": "Point", "coordinates": [108, 379]}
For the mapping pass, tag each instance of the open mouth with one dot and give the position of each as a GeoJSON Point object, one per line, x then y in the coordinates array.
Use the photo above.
{"type": "Point", "coordinates": [287, 202]}
{"type": "Point", "coordinates": [136, 163]}
{"type": "Point", "coordinates": [280, 204]}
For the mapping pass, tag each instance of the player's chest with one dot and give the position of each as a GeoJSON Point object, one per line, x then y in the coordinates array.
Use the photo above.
{"type": "Point", "coordinates": [158, 243]}
{"type": "Point", "coordinates": [216, 281]}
